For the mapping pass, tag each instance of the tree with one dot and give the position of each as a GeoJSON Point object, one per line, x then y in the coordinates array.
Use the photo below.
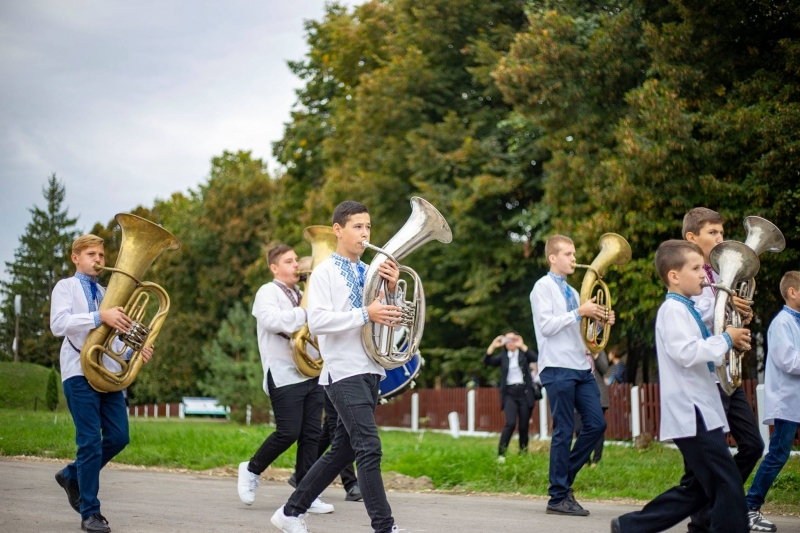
{"type": "Point", "coordinates": [51, 395]}
{"type": "Point", "coordinates": [43, 257]}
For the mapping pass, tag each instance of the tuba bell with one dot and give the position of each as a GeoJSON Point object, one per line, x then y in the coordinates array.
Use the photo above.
{"type": "Point", "coordinates": [614, 250]}
{"type": "Point", "coordinates": [142, 242]}
{"type": "Point", "coordinates": [425, 224]}
{"type": "Point", "coordinates": [737, 264]}
{"type": "Point", "coordinates": [323, 244]}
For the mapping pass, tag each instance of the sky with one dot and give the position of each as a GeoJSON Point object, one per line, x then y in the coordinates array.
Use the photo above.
{"type": "Point", "coordinates": [127, 101]}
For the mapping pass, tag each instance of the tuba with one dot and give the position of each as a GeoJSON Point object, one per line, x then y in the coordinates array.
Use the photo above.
{"type": "Point", "coordinates": [142, 242]}
{"type": "Point", "coordinates": [323, 244]}
{"type": "Point", "coordinates": [614, 250]}
{"type": "Point", "coordinates": [737, 264]}
{"type": "Point", "coordinates": [425, 224]}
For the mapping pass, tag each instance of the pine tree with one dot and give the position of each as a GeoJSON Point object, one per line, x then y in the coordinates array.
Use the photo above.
{"type": "Point", "coordinates": [41, 259]}
{"type": "Point", "coordinates": [51, 395]}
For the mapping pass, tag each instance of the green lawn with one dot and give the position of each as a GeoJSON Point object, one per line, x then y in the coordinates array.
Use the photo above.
{"type": "Point", "coordinates": [467, 464]}
{"type": "Point", "coordinates": [22, 383]}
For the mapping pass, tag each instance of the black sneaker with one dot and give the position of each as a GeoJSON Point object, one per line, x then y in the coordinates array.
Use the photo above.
{"type": "Point", "coordinates": [354, 494]}
{"type": "Point", "coordinates": [567, 507]}
{"type": "Point", "coordinates": [615, 527]}
{"type": "Point", "coordinates": [73, 493]}
{"type": "Point", "coordinates": [575, 504]}
{"type": "Point", "coordinates": [293, 480]}
{"type": "Point", "coordinates": [757, 522]}
{"type": "Point", "coordinates": [96, 523]}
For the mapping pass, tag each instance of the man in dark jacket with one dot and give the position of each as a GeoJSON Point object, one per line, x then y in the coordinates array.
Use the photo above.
{"type": "Point", "coordinates": [516, 386]}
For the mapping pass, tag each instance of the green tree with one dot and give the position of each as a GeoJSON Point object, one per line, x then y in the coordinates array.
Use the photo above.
{"type": "Point", "coordinates": [51, 395]}
{"type": "Point", "coordinates": [41, 259]}
{"type": "Point", "coordinates": [235, 375]}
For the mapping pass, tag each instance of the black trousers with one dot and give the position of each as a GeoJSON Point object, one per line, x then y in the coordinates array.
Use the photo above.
{"type": "Point", "coordinates": [712, 477]}
{"type": "Point", "coordinates": [348, 474]}
{"type": "Point", "coordinates": [515, 406]}
{"type": "Point", "coordinates": [750, 445]}
{"type": "Point", "coordinates": [597, 453]}
{"type": "Point", "coordinates": [298, 415]}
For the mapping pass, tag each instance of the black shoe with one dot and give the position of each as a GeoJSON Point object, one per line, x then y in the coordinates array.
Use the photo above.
{"type": "Point", "coordinates": [615, 527]}
{"type": "Point", "coordinates": [567, 507]}
{"type": "Point", "coordinates": [73, 493]}
{"type": "Point", "coordinates": [571, 497]}
{"type": "Point", "coordinates": [354, 494]}
{"type": "Point", "coordinates": [96, 523]}
{"type": "Point", "coordinates": [293, 480]}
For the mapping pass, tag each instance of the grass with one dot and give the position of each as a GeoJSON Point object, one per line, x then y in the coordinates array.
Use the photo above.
{"type": "Point", "coordinates": [467, 464]}
{"type": "Point", "coordinates": [22, 383]}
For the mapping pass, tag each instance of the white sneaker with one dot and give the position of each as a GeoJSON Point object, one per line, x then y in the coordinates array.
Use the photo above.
{"type": "Point", "coordinates": [248, 482]}
{"type": "Point", "coordinates": [501, 458]}
{"type": "Point", "coordinates": [396, 529]}
{"type": "Point", "coordinates": [289, 524]}
{"type": "Point", "coordinates": [757, 522]}
{"type": "Point", "coordinates": [320, 507]}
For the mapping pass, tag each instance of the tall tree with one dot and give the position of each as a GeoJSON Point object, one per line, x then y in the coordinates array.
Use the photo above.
{"type": "Point", "coordinates": [41, 259]}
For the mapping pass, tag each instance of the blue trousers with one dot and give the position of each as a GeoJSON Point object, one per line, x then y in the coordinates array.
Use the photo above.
{"type": "Point", "coordinates": [101, 432]}
{"type": "Point", "coordinates": [569, 390]}
{"type": "Point", "coordinates": [780, 444]}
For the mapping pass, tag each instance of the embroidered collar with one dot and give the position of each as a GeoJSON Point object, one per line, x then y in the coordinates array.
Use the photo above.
{"type": "Point", "coordinates": [93, 295]}
{"type": "Point", "coordinates": [293, 294]}
{"type": "Point", "coordinates": [792, 313]}
{"type": "Point", "coordinates": [566, 291]}
{"type": "Point", "coordinates": [690, 306]}
{"type": "Point", "coordinates": [356, 285]}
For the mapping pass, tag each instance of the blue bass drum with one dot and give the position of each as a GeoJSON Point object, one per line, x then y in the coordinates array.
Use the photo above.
{"type": "Point", "coordinates": [400, 379]}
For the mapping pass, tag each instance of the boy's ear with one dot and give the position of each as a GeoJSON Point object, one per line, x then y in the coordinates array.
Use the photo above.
{"type": "Point", "coordinates": [337, 229]}
{"type": "Point", "coordinates": [273, 268]}
{"type": "Point", "coordinates": [691, 237]}
{"type": "Point", "coordinates": [672, 276]}
{"type": "Point", "coordinates": [74, 258]}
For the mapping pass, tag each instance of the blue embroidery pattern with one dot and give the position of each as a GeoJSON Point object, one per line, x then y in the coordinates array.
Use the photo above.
{"type": "Point", "coordinates": [566, 291]}
{"type": "Point", "coordinates": [792, 313]}
{"type": "Point", "coordinates": [703, 329]}
{"type": "Point", "coordinates": [356, 286]}
{"type": "Point", "coordinates": [94, 296]}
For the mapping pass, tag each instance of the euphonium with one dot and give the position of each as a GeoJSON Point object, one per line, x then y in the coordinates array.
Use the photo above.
{"type": "Point", "coordinates": [142, 242]}
{"type": "Point", "coordinates": [762, 236]}
{"type": "Point", "coordinates": [614, 250]}
{"type": "Point", "coordinates": [425, 224]}
{"type": "Point", "coordinates": [323, 244]}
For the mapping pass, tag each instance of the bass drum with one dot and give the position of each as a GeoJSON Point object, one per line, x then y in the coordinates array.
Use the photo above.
{"type": "Point", "coordinates": [400, 379]}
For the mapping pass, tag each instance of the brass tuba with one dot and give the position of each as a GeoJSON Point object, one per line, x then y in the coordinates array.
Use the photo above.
{"type": "Point", "coordinates": [738, 263]}
{"type": "Point", "coordinates": [425, 224]}
{"type": "Point", "coordinates": [323, 244]}
{"type": "Point", "coordinates": [614, 250]}
{"type": "Point", "coordinates": [142, 242]}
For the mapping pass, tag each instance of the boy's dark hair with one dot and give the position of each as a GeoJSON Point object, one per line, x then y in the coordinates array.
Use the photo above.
{"type": "Point", "coordinates": [274, 255]}
{"type": "Point", "coordinates": [671, 255]}
{"type": "Point", "coordinates": [696, 218]}
{"type": "Point", "coordinates": [347, 209]}
{"type": "Point", "coordinates": [790, 280]}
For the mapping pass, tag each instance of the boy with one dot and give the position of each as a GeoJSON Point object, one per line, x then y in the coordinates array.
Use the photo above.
{"type": "Point", "coordinates": [516, 387]}
{"type": "Point", "coordinates": [703, 227]}
{"type": "Point", "coordinates": [100, 418]}
{"type": "Point", "coordinates": [296, 399]}
{"type": "Point", "coordinates": [781, 398]}
{"type": "Point", "coordinates": [566, 373]}
{"type": "Point", "coordinates": [691, 410]}
{"type": "Point", "coordinates": [336, 314]}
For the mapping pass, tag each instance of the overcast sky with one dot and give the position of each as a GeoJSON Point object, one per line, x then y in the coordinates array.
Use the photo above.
{"type": "Point", "coordinates": [128, 101]}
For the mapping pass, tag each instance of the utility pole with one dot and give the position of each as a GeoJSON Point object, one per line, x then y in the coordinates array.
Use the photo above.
{"type": "Point", "coordinates": [17, 312]}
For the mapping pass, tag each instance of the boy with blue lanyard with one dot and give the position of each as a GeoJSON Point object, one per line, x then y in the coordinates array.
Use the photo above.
{"type": "Point", "coordinates": [100, 418]}
{"type": "Point", "coordinates": [781, 397]}
{"type": "Point", "coordinates": [691, 409]}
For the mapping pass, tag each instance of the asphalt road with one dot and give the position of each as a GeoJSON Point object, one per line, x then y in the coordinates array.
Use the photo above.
{"type": "Point", "coordinates": [142, 501]}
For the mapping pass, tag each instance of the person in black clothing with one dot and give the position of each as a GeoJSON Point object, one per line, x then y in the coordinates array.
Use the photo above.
{"type": "Point", "coordinates": [516, 386]}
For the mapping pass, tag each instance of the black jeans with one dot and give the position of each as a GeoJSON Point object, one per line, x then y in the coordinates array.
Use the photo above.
{"type": "Point", "coordinates": [356, 437]}
{"type": "Point", "coordinates": [298, 416]}
{"type": "Point", "coordinates": [749, 444]}
{"type": "Point", "coordinates": [597, 454]}
{"type": "Point", "coordinates": [712, 477]}
{"type": "Point", "coordinates": [515, 405]}
{"type": "Point", "coordinates": [348, 474]}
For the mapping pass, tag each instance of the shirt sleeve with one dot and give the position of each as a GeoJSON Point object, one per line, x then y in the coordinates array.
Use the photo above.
{"type": "Point", "coordinates": [781, 350]}
{"type": "Point", "coordinates": [270, 316]}
{"type": "Point", "coordinates": [684, 345]}
{"type": "Point", "coordinates": [322, 319]}
{"type": "Point", "coordinates": [543, 312]}
{"type": "Point", "coordinates": [63, 321]}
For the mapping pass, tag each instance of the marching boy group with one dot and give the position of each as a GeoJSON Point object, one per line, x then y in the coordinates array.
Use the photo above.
{"type": "Point", "coordinates": [695, 413]}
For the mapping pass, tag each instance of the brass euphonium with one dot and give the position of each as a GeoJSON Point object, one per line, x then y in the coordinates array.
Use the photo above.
{"type": "Point", "coordinates": [142, 242]}
{"type": "Point", "coordinates": [614, 250]}
{"type": "Point", "coordinates": [737, 264]}
{"type": "Point", "coordinates": [425, 224]}
{"type": "Point", "coordinates": [323, 244]}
